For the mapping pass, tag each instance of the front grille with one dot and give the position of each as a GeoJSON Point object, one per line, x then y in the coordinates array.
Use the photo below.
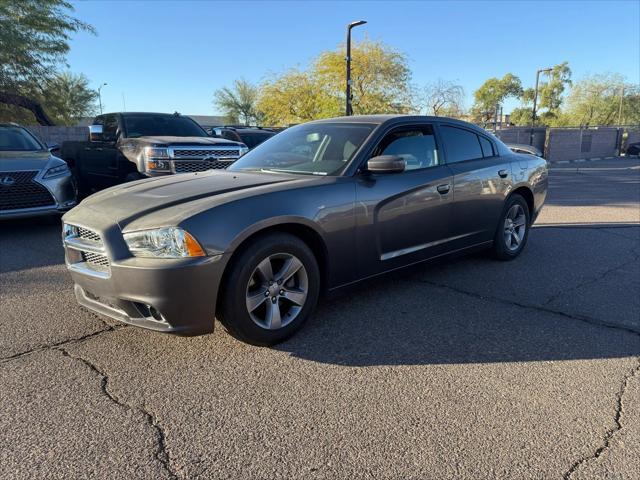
{"type": "Point", "coordinates": [85, 251]}
{"type": "Point", "coordinates": [206, 152]}
{"type": "Point", "coordinates": [19, 190]}
{"type": "Point", "coordinates": [201, 166]}
{"type": "Point", "coordinates": [97, 261]}
{"type": "Point", "coordinates": [90, 235]}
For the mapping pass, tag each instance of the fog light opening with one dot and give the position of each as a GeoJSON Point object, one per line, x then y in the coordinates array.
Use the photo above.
{"type": "Point", "coordinates": [156, 315]}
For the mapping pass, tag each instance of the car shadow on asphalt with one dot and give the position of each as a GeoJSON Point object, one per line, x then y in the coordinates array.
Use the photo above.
{"type": "Point", "coordinates": [30, 243]}
{"type": "Point", "coordinates": [417, 318]}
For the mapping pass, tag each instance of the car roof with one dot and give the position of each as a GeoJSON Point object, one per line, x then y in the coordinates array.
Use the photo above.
{"type": "Point", "coordinates": [393, 118]}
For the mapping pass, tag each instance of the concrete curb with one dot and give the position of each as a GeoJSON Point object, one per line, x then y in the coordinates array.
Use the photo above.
{"type": "Point", "coordinates": [595, 159]}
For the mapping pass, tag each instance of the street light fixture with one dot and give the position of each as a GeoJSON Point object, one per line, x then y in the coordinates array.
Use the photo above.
{"type": "Point", "coordinates": [100, 96]}
{"type": "Point", "coordinates": [349, 109]}
{"type": "Point", "coordinates": [535, 101]}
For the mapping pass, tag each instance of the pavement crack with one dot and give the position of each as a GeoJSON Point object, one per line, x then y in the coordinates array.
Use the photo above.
{"type": "Point", "coordinates": [590, 281]}
{"type": "Point", "coordinates": [539, 308]}
{"type": "Point", "coordinates": [161, 453]}
{"type": "Point", "coordinates": [609, 434]}
{"type": "Point", "coordinates": [69, 341]}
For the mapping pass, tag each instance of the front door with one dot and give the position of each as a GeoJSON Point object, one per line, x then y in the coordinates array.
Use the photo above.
{"type": "Point", "coordinates": [403, 218]}
{"type": "Point", "coordinates": [100, 159]}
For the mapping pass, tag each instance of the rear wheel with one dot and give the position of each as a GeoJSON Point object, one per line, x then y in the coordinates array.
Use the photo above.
{"type": "Point", "coordinates": [513, 229]}
{"type": "Point", "coordinates": [271, 290]}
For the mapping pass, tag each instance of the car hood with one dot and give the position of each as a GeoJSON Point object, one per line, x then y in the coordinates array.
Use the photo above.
{"type": "Point", "coordinates": [155, 197]}
{"type": "Point", "coordinates": [160, 140]}
{"type": "Point", "coordinates": [12, 161]}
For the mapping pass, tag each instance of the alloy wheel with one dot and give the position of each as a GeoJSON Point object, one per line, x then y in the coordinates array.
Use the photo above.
{"type": "Point", "coordinates": [277, 291]}
{"type": "Point", "coordinates": [515, 227]}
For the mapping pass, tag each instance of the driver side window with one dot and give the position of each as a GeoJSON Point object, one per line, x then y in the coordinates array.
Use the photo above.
{"type": "Point", "coordinates": [416, 145]}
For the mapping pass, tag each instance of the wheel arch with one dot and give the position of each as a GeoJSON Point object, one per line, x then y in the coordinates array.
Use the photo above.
{"type": "Point", "coordinates": [525, 192]}
{"type": "Point", "coordinates": [309, 235]}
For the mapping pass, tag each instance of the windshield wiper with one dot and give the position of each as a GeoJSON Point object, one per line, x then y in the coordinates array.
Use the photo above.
{"type": "Point", "coordinates": [301, 172]}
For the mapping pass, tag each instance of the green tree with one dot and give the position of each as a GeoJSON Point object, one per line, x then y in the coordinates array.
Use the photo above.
{"type": "Point", "coordinates": [67, 98]}
{"type": "Point", "coordinates": [295, 97]}
{"type": "Point", "coordinates": [239, 103]}
{"type": "Point", "coordinates": [595, 100]}
{"type": "Point", "coordinates": [380, 74]}
{"type": "Point", "coordinates": [381, 84]}
{"type": "Point", "coordinates": [34, 36]}
{"type": "Point", "coordinates": [494, 92]}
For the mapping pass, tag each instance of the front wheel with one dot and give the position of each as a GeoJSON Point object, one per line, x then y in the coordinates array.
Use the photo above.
{"type": "Point", "coordinates": [513, 229]}
{"type": "Point", "coordinates": [271, 290]}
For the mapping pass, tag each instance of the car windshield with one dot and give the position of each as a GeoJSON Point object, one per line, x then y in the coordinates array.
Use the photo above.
{"type": "Point", "coordinates": [16, 139]}
{"type": "Point", "coordinates": [161, 126]}
{"type": "Point", "coordinates": [311, 149]}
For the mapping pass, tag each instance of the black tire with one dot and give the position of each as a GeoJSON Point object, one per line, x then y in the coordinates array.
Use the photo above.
{"type": "Point", "coordinates": [501, 250]}
{"type": "Point", "coordinates": [233, 312]}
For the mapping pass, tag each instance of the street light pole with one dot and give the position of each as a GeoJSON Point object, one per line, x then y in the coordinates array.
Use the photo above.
{"type": "Point", "coordinates": [349, 109]}
{"type": "Point", "coordinates": [620, 108]}
{"type": "Point", "coordinates": [535, 102]}
{"type": "Point", "coordinates": [100, 96]}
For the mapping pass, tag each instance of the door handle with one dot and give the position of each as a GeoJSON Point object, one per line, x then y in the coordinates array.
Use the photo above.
{"type": "Point", "coordinates": [503, 173]}
{"type": "Point", "coordinates": [443, 189]}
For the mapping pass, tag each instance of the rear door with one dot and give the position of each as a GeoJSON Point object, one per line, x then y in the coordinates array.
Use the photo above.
{"type": "Point", "coordinates": [404, 217]}
{"type": "Point", "coordinates": [481, 182]}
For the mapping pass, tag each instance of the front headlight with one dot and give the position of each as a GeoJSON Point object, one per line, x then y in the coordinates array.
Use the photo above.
{"type": "Point", "coordinates": [169, 242]}
{"type": "Point", "coordinates": [243, 149]}
{"type": "Point", "coordinates": [157, 159]}
{"type": "Point", "coordinates": [55, 171]}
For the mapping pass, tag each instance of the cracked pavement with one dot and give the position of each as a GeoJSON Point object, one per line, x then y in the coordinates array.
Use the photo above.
{"type": "Point", "coordinates": [466, 369]}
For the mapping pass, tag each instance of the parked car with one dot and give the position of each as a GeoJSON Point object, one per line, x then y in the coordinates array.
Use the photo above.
{"type": "Point", "coordinates": [526, 149]}
{"type": "Point", "coordinates": [250, 136]}
{"type": "Point", "coordinates": [32, 181]}
{"type": "Point", "coordinates": [318, 207]}
{"type": "Point", "coordinates": [129, 146]}
{"type": "Point", "coordinates": [633, 149]}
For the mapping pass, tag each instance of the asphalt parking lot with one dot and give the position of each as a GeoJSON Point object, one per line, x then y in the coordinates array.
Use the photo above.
{"type": "Point", "coordinates": [468, 369]}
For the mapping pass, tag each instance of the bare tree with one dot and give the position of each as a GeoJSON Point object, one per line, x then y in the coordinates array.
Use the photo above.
{"type": "Point", "coordinates": [444, 97]}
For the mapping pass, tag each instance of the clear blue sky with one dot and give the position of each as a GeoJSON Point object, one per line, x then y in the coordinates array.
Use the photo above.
{"type": "Point", "coordinates": [172, 55]}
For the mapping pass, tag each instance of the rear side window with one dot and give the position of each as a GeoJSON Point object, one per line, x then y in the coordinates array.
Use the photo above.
{"type": "Point", "coordinates": [461, 144]}
{"type": "Point", "coordinates": [487, 147]}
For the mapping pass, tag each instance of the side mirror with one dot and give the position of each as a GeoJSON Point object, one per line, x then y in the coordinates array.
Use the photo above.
{"type": "Point", "coordinates": [386, 164]}
{"type": "Point", "coordinates": [95, 133]}
{"type": "Point", "coordinates": [53, 147]}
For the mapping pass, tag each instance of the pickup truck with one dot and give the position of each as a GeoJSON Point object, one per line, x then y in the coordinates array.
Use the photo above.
{"type": "Point", "coordinates": [123, 147]}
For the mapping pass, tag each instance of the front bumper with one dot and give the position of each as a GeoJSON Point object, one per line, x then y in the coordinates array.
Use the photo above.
{"type": "Point", "coordinates": [182, 295]}
{"type": "Point", "coordinates": [62, 191]}
{"type": "Point", "coordinates": [166, 295]}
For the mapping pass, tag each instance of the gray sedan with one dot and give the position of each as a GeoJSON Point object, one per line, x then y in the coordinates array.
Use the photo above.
{"type": "Point", "coordinates": [32, 181]}
{"type": "Point", "coordinates": [313, 209]}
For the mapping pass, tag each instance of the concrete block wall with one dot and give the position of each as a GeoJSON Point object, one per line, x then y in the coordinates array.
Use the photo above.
{"type": "Point", "coordinates": [577, 143]}
{"type": "Point", "coordinates": [57, 135]}
{"type": "Point", "coordinates": [523, 135]}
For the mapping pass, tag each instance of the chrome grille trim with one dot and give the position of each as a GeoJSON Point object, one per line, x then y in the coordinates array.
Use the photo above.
{"type": "Point", "coordinates": [201, 166]}
{"type": "Point", "coordinates": [200, 152]}
{"type": "Point", "coordinates": [85, 252]}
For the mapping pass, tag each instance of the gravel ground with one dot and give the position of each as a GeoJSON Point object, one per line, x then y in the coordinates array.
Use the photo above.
{"type": "Point", "coordinates": [467, 369]}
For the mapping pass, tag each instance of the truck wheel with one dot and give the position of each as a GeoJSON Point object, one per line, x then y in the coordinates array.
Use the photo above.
{"type": "Point", "coordinates": [271, 290]}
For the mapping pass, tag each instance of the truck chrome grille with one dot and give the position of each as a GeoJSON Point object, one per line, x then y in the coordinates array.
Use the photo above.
{"type": "Point", "coordinates": [201, 166]}
{"type": "Point", "coordinates": [85, 251]}
{"type": "Point", "coordinates": [231, 153]}
{"type": "Point", "coordinates": [19, 190]}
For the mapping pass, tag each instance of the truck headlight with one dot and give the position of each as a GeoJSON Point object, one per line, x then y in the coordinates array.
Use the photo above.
{"type": "Point", "coordinates": [55, 171]}
{"type": "Point", "coordinates": [243, 149]}
{"type": "Point", "coordinates": [156, 159]}
{"type": "Point", "coordinates": [169, 242]}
